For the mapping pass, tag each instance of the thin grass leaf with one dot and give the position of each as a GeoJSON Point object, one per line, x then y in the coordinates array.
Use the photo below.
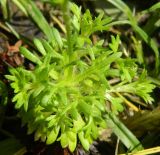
{"type": "Point", "coordinates": [152, 8]}
{"type": "Point", "coordinates": [38, 18]}
{"type": "Point", "coordinates": [124, 8]}
{"type": "Point", "coordinates": [22, 8]}
{"type": "Point", "coordinates": [21, 151]}
{"type": "Point", "coordinates": [4, 8]}
{"type": "Point", "coordinates": [13, 30]}
{"type": "Point", "coordinates": [152, 24]}
{"type": "Point", "coordinates": [155, 7]}
{"type": "Point", "coordinates": [121, 22]}
{"type": "Point", "coordinates": [123, 133]}
{"type": "Point", "coordinates": [151, 43]}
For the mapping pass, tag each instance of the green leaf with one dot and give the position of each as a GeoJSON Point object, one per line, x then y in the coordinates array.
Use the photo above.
{"type": "Point", "coordinates": [37, 134]}
{"type": "Point", "coordinates": [19, 99]}
{"type": "Point", "coordinates": [52, 135]}
{"type": "Point", "coordinates": [142, 88]}
{"type": "Point", "coordinates": [64, 140]}
{"type": "Point", "coordinates": [116, 104]}
{"type": "Point", "coordinates": [53, 74]}
{"type": "Point", "coordinates": [52, 120]}
{"type": "Point", "coordinates": [39, 46]}
{"type": "Point", "coordinates": [115, 43]}
{"type": "Point", "coordinates": [128, 69]}
{"type": "Point", "coordinates": [30, 56]}
{"type": "Point", "coordinates": [89, 26]}
{"type": "Point", "coordinates": [72, 140]}
{"type": "Point", "coordinates": [57, 37]}
{"type": "Point", "coordinates": [13, 30]}
{"type": "Point", "coordinates": [78, 124]}
{"type": "Point", "coordinates": [77, 15]}
{"type": "Point", "coordinates": [49, 49]}
{"type": "Point", "coordinates": [83, 140]}
{"type": "Point", "coordinates": [99, 66]}
{"type": "Point", "coordinates": [85, 108]}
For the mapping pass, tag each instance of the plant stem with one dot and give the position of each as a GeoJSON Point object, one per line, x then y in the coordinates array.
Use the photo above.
{"type": "Point", "coordinates": [65, 8]}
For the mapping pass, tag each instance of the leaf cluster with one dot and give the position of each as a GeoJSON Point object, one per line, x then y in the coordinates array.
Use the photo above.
{"type": "Point", "coordinates": [63, 97]}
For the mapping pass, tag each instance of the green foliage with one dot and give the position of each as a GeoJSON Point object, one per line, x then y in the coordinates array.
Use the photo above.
{"type": "Point", "coordinates": [64, 97]}
{"type": "Point", "coordinates": [134, 23]}
{"type": "Point", "coordinates": [141, 87]}
{"type": "Point", "coordinates": [137, 45]}
{"type": "Point", "coordinates": [89, 26]}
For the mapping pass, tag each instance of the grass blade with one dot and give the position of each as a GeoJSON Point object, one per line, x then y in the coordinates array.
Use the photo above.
{"type": "Point", "coordinates": [4, 8]}
{"type": "Point", "coordinates": [13, 30]}
{"type": "Point", "coordinates": [152, 8]}
{"type": "Point", "coordinates": [22, 8]}
{"type": "Point", "coordinates": [124, 134]}
{"type": "Point", "coordinates": [124, 8]}
{"type": "Point", "coordinates": [38, 18]}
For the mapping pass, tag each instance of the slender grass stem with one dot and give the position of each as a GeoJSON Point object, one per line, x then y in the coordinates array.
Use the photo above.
{"type": "Point", "coordinates": [66, 13]}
